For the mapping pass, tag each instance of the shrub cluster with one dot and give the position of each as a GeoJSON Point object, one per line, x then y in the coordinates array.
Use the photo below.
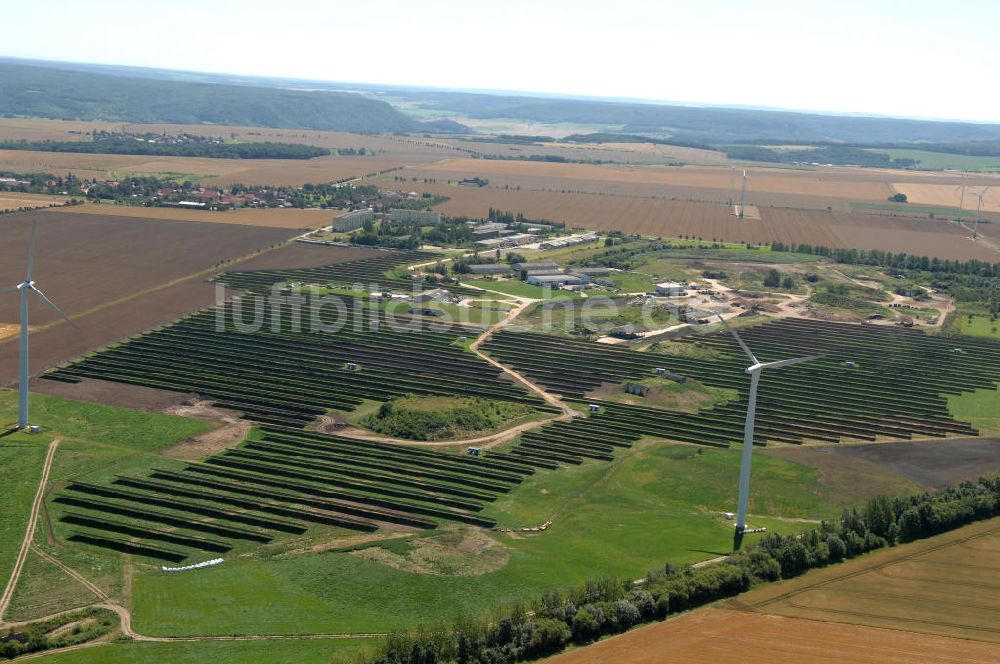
{"type": "Point", "coordinates": [598, 608]}
{"type": "Point", "coordinates": [37, 636]}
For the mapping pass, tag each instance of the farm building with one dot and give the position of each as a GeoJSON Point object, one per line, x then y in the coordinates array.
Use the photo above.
{"type": "Point", "coordinates": [536, 265]}
{"type": "Point", "coordinates": [487, 231]}
{"type": "Point", "coordinates": [591, 271]}
{"type": "Point", "coordinates": [541, 271]}
{"type": "Point", "coordinates": [554, 280]}
{"type": "Point", "coordinates": [352, 220]}
{"type": "Point", "coordinates": [490, 268]}
{"type": "Point", "coordinates": [569, 241]}
{"type": "Point", "coordinates": [670, 289]}
{"type": "Point", "coordinates": [626, 332]}
{"type": "Point", "coordinates": [418, 216]}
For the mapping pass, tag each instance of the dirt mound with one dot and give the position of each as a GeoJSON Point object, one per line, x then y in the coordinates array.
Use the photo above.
{"type": "Point", "coordinates": [456, 553]}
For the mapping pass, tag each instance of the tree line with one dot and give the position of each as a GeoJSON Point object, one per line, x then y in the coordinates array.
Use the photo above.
{"type": "Point", "coordinates": [579, 615]}
{"type": "Point", "coordinates": [211, 150]}
{"type": "Point", "coordinates": [968, 281]}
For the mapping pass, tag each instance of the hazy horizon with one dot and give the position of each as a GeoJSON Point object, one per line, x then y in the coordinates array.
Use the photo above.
{"type": "Point", "coordinates": [858, 58]}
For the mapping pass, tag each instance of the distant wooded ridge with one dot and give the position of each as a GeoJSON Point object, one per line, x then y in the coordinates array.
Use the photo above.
{"type": "Point", "coordinates": [63, 94]}
{"type": "Point", "coordinates": [136, 95]}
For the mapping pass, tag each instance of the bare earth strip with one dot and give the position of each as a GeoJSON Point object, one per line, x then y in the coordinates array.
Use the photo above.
{"type": "Point", "coordinates": [711, 636]}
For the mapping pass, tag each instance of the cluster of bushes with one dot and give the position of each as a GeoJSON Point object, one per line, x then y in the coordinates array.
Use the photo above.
{"type": "Point", "coordinates": [399, 419]}
{"type": "Point", "coordinates": [37, 636]}
{"type": "Point", "coordinates": [598, 608]}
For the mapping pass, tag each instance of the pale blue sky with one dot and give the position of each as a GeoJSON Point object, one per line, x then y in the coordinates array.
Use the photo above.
{"type": "Point", "coordinates": [910, 58]}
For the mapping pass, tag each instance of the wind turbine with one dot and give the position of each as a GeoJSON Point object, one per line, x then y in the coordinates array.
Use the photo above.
{"type": "Point", "coordinates": [961, 199]}
{"type": "Point", "coordinates": [743, 194]}
{"type": "Point", "coordinates": [25, 287]}
{"type": "Point", "coordinates": [755, 371]}
{"type": "Point", "coordinates": [979, 208]}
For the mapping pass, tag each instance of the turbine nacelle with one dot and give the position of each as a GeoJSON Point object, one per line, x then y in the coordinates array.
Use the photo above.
{"type": "Point", "coordinates": [25, 287]}
{"type": "Point", "coordinates": [755, 370]}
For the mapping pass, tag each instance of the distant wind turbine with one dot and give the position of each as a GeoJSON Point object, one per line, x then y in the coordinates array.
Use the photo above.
{"type": "Point", "coordinates": [755, 371]}
{"type": "Point", "coordinates": [25, 287]}
{"type": "Point", "coordinates": [743, 194]}
{"type": "Point", "coordinates": [961, 199]}
{"type": "Point", "coordinates": [979, 208]}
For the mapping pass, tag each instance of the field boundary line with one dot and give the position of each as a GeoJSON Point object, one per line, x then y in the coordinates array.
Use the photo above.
{"type": "Point", "coordinates": [878, 567]}
{"type": "Point", "coordinates": [29, 532]}
{"type": "Point", "coordinates": [153, 289]}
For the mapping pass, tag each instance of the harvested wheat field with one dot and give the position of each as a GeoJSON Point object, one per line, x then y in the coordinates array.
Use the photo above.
{"type": "Point", "coordinates": [290, 218]}
{"type": "Point", "coordinates": [861, 185]}
{"type": "Point", "coordinates": [418, 148]}
{"type": "Point", "coordinates": [949, 195]}
{"type": "Point", "coordinates": [714, 636]}
{"type": "Point", "coordinates": [116, 276]}
{"type": "Point", "coordinates": [17, 201]}
{"type": "Point", "coordinates": [945, 585]}
{"type": "Point", "coordinates": [672, 218]}
{"type": "Point", "coordinates": [293, 172]}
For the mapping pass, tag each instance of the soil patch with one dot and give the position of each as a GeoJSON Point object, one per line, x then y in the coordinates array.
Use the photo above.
{"type": "Point", "coordinates": [466, 552]}
{"type": "Point", "coordinates": [930, 464]}
{"type": "Point", "coordinates": [134, 397]}
{"type": "Point", "coordinates": [230, 432]}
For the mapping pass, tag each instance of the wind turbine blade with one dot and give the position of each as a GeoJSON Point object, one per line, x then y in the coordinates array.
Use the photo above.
{"type": "Point", "coordinates": [8, 289]}
{"type": "Point", "coordinates": [786, 363]}
{"type": "Point", "coordinates": [52, 306]}
{"type": "Point", "coordinates": [746, 349]}
{"type": "Point", "coordinates": [31, 253]}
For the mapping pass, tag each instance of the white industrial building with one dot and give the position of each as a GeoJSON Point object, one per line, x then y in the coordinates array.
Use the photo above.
{"type": "Point", "coordinates": [352, 220]}
{"type": "Point", "coordinates": [671, 289]}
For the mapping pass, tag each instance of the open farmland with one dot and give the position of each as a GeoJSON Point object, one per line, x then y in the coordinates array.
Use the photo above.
{"type": "Point", "coordinates": [709, 636]}
{"type": "Point", "coordinates": [290, 218]}
{"type": "Point", "coordinates": [16, 201]}
{"type": "Point", "coordinates": [294, 172]}
{"type": "Point", "coordinates": [948, 195]}
{"type": "Point", "coordinates": [944, 585]}
{"type": "Point", "coordinates": [144, 273]}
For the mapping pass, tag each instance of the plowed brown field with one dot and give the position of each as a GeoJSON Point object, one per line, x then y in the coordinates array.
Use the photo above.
{"type": "Point", "coordinates": [116, 276]}
{"type": "Point", "coordinates": [290, 218]}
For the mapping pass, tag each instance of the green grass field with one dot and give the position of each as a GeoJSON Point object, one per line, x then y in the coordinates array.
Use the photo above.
{"type": "Point", "coordinates": [980, 408]}
{"type": "Point", "coordinates": [979, 326]}
{"type": "Point", "coordinates": [521, 289]}
{"type": "Point", "coordinates": [299, 651]}
{"type": "Point", "coordinates": [20, 468]}
{"type": "Point", "coordinates": [656, 503]}
{"type": "Point", "coordinates": [939, 161]}
{"type": "Point", "coordinates": [96, 442]}
{"type": "Point", "coordinates": [908, 208]}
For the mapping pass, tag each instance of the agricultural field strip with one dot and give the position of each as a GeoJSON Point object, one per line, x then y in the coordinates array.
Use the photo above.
{"type": "Point", "coordinates": [808, 405]}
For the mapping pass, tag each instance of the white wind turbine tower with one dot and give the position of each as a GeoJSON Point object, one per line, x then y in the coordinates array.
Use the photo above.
{"type": "Point", "coordinates": [755, 371]}
{"type": "Point", "coordinates": [25, 287]}
{"type": "Point", "coordinates": [979, 208]}
{"type": "Point", "coordinates": [743, 194]}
